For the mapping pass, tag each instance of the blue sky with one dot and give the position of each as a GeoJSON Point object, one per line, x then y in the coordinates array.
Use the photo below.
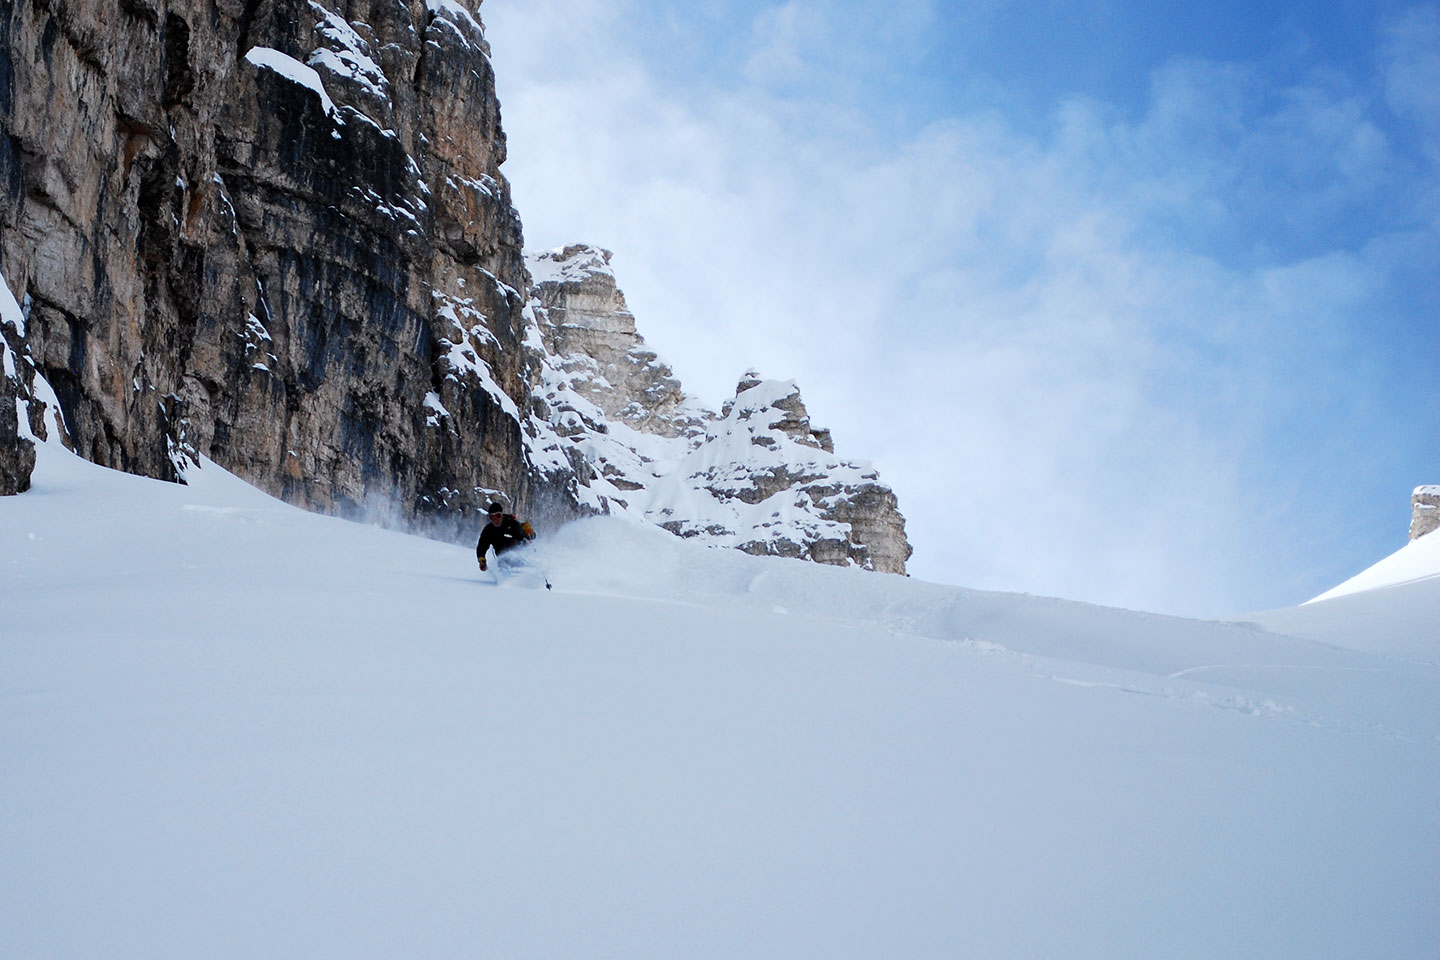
{"type": "Point", "coordinates": [1131, 303]}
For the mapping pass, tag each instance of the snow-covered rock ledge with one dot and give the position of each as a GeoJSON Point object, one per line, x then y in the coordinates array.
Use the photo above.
{"type": "Point", "coordinates": [1425, 511]}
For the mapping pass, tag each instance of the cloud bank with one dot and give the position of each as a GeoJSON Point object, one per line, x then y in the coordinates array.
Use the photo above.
{"type": "Point", "coordinates": [1129, 357]}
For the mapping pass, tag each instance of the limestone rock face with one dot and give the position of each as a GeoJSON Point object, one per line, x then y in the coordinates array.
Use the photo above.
{"type": "Point", "coordinates": [1425, 511]}
{"type": "Point", "coordinates": [586, 326]}
{"type": "Point", "coordinates": [757, 476]}
{"type": "Point", "coordinates": [274, 232]}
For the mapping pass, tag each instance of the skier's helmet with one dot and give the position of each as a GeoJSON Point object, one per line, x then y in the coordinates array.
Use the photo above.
{"type": "Point", "coordinates": [495, 508]}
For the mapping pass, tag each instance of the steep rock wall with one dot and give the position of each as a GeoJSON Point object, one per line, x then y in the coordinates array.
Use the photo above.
{"type": "Point", "coordinates": [269, 231]}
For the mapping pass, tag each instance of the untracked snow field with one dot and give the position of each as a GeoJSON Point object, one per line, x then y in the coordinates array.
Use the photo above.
{"type": "Point", "coordinates": [231, 729]}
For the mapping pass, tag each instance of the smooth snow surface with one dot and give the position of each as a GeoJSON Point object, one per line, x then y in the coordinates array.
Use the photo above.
{"type": "Point", "coordinates": [1416, 561]}
{"type": "Point", "coordinates": [230, 729]}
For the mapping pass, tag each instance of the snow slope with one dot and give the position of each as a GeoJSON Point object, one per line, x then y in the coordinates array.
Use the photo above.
{"type": "Point", "coordinates": [1391, 608]}
{"type": "Point", "coordinates": [1417, 561]}
{"type": "Point", "coordinates": [233, 729]}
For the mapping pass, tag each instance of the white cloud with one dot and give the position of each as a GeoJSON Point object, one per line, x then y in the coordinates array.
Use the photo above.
{"type": "Point", "coordinates": [1412, 85]}
{"type": "Point", "coordinates": [834, 42]}
{"type": "Point", "coordinates": [1065, 350]}
{"type": "Point", "coordinates": [1412, 65]}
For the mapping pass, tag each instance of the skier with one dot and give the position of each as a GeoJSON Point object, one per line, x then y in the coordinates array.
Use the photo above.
{"type": "Point", "coordinates": [502, 533]}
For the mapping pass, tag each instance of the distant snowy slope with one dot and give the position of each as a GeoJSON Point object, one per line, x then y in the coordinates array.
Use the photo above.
{"type": "Point", "coordinates": [1417, 560]}
{"type": "Point", "coordinates": [1402, 620]}
{"type": "Point", "coordinates": [1392, 608]}
{"type": "Point", "coordinates": [231, 729]}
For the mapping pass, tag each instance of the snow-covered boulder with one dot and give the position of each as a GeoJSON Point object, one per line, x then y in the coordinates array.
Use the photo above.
{"type": "Point", "coordinates": [1425, 511]}
{"type": "Point", "coordinates": [757, 476]}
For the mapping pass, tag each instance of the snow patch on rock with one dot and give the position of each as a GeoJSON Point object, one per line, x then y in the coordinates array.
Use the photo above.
{"type": "Point", "coordinates": [347, 54]}
{"type": "Point", "coordinates": [294, 71]}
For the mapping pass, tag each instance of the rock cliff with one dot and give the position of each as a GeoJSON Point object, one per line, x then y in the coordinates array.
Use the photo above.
{"type": "Point", "coordinates": [1424, 511]}
{"type": "Point", "coordinates": [275, 234]}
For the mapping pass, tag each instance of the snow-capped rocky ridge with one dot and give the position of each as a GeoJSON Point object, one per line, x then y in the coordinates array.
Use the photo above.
{"type": "Point", "coordinates": [756, 475]}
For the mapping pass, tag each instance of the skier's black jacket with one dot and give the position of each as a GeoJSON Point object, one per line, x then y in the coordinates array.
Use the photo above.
{"type": "Point", "coordinates": [509, 534]}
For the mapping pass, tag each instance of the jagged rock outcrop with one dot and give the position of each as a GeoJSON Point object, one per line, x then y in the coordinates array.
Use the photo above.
{"type": "Point", "coordinates": [274, 232]}
{"type": "Point", "coordinates": [776, 488]}
{"type": "Point", "coordinates": [1424, 511]}
{"type": "Point", "coordinates": [757, 476]}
